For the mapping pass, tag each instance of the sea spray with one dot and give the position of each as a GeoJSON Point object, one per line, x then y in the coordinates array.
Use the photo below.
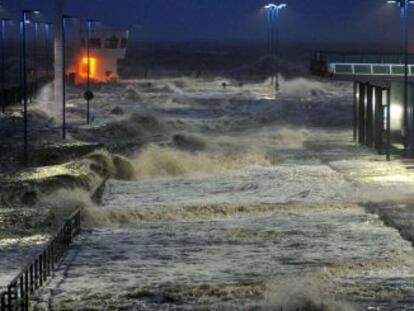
{"type": "Point", "coordinates": [64, 202]}
{"type": "Point", "coordinates": [110, 165]}
{"type": "Point", "coordinates": [45, 102]}
{"type": "Point", "coordinates": [125, 168]}
{"type": "Point", "coordinates": [304, 87]}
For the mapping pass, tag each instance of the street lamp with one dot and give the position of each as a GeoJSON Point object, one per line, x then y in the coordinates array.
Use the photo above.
{"type": "Point", "coordinates": [88, 94]}
{"type": "Point", "coordinates": [273, 17]}
{"type": "Point", "coordinates": [35, 54]}
{"type": "Point", "coordinates": [65, 17]}
{"type": "Point", "coordinates": [24, 72]}
{"type": "Point", "coordinates": [4, 22]}
{"type": "Point", "coordinates": [46, 49]}
{"type": "Point", "coordinates": [404, 7]}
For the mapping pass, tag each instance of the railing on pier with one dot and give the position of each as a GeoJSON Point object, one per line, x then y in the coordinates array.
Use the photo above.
{"type": "Point", "coordinates": [17, 293]}
{"type": "Point", "coordinates": [363, 65]}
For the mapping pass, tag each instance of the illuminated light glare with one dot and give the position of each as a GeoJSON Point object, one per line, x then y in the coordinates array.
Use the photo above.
{"type": "Point", "coordinates": [396, 112]}
{"type": "Point", "coordinates": [83, 68]}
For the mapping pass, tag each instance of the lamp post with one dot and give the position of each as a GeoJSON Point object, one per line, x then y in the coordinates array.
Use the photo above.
{"type": "Point", "coordinates": [24, 77]}
{"type": "Point", "coordinates": [35, 54]}
{"type": "Point", "coordinates": [46, 47]}
{"type": "Point", "coordinates": [88, 94]}
{"type": "Point", "coordinates": [4, 22]}
{"type": "Point", "coordinates": [65, 17]}
{"type": "Point", "coordinates": [273, 17]}
{"type": "Point", "coordinates": [408, 117]}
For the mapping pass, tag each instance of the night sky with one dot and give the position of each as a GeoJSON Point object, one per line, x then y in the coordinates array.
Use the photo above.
{"type": "Point", "coordinates": [309, 21]}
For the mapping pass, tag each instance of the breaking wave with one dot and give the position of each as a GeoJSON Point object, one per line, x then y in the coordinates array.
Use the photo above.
{"type": "Point", "coordinates": [133, 126]}
{"type": "Point", "coordinates": [303, 87]}
{"type": "Point", "coordinates": [155, 162]}
{"type": "Point", "coordinates": [63, 202]}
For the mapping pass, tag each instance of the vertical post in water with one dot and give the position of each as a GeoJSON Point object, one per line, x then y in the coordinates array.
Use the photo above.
{"type": "Point", "coordinates": [24, 90]}
{"type": "Point", "coordinates": [361, 113]}
{"type": "Point", "coordinates": [369, 116]}
{"type": "Point", "coordinates": [269, 19]}
{"type": "Point", "coordinates": [46, 51]}
{"type": "Point", "coordinates": [355, 110]}
{"type": "Point", "coordinates": [36, 57]}
{"type": "Point", "coordinates": [88, 80]}
{"type": "Point", "coordinates": [63, 30]}
{"type": "Point", "coordinates": [389, 123]}
{"type": "Point", "coordinates": [277, 50]}
{"type": "Point", "coordinates": [379, 119]}
{"type": "Point", "coordinates": [58, 46]}
{"type": "Point", "coordinates": [408, 140]}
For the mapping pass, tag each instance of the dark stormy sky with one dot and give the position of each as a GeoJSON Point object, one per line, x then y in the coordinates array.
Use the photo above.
{"type": "Point", "coordinates": [316, 21]}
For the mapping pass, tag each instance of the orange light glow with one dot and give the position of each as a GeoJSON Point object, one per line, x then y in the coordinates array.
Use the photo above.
{"type": "Point", "coordinates": [83, 68]}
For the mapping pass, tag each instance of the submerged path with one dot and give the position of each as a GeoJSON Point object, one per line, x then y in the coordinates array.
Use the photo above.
{"type": "Point", "coordinates": [290, 235]}
{"type": "Point", "coordinates": [269, 205]}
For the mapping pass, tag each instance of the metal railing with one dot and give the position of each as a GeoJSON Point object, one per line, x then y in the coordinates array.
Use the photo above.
{"type": "Point", "coordinates": [373, 69]}
{"type": "Point", "coordinates": [17, 294]}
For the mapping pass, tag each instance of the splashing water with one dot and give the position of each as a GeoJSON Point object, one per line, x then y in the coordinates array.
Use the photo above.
{"type": "Point", "coordinates": [45, 102]}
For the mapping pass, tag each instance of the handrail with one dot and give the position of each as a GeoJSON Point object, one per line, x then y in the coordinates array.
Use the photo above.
{"type": "Point", "coordinates": [371, 69]}
{"type": "Point", "coordinates": [16, 296]}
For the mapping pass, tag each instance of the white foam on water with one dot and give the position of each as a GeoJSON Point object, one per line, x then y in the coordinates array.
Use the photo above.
{"type": "Point", "coordinates": [258, 210]}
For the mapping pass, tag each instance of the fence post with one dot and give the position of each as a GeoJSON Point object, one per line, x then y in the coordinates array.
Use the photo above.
{"type": "Point", "coordinates": [45, 265]}
{"type": "Point", "coordinates": [31, 278]}
{"type": "Point", "coordinates": [26, 287]}
{"type": "Point", "coordinates": [3, 301]}
{"type": "Point", "coordinates": [22, 291]}
{"type": "Point", "coordinates": [12, 296]}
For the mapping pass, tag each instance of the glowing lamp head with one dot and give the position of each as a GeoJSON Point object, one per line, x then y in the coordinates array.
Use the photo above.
{"type": "Point", "coordinates": [275, 7]}
{"type": "Point", "coordinates": [400, 3]}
